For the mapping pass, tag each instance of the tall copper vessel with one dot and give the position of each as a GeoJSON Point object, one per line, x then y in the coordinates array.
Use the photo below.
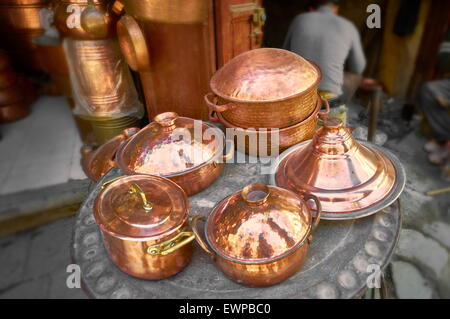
{"type": "Point", "coordinates": [165, 42]}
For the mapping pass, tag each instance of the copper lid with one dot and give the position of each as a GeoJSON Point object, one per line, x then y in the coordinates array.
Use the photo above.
{"type": "Point", "coordinates": [346, 176]}
{"type": "Point", "coordinates": [96, 163]}
{"type": "Point", "coordinates": [266, 74]}
{"type": "Point", "coordinates": [141, 207]}
{"type": "Point", "coordinates": [170, 145]}
{"type": "Point", "coordinates": [258, 224]}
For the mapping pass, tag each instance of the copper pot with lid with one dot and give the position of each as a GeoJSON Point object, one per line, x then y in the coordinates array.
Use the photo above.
{"type": "Point", "coordinates": [187, 151]}
{"type": "Point", "coordinates": [351, 178]}
{"type": "Point", "coordinates": [259, 236]}
{"type": "Point", "coordinates": [144, 224]}
{"type": "Point", "coordinates": [265, 88]}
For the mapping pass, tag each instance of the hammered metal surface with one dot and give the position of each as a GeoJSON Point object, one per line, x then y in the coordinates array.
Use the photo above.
{"type": "Point", "coordinates": [339, 262]}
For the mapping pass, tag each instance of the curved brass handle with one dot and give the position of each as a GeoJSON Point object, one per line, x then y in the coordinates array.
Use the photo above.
{"type": "Point", "coordinates": [218, 108]}
{"type": "Point", "coordinates": [132, 44]}
{"type": "Point", "coordinates": [327, 108]}
{"type": "Point", "coordinates": [198, 237]}
{"type": "Point", "coordinates": [316, 219]}
{"type": "Point", "coordinates": [230, 154]}
{"type": "Point", "coordinates": [169, 246]}
{"type": "Point", "coordinates": [136, 189]}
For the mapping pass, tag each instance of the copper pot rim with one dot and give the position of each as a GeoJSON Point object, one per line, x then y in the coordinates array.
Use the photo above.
{"type": "Point", "coordinates": [165, 234]}
{"type": "Point", "coordinates": [313, 86]}
{"type": "Point", "coordinates": [389, 199]}
{"type": "Point", "coordinates": [315, 113]}
{"type": "Point", "coordinates": [125, 169]}
{"type": "Point", "coordinates": [261, 261]}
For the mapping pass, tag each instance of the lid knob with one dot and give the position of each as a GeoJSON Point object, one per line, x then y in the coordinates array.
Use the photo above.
{"type": "Point", "coordinates": [255, 194]}
{"type": "Point", "coordinates": [166, 119]}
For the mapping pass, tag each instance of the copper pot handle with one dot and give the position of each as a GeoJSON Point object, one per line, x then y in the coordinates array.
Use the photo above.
{"type": "Point", "coordinates": [213, 116]}
{"type": "Point", "coordinates": [228, 156]}
{"type": "Point", "coordinates": [218, 108]}
{"type": "Point", "coordinates": [327, 108]}
{"type": "Point", "coordinates": [198, 237]}
{"type": "Point", "coordinates": [169, 246]}
{"type": "Point", "coordinates": [316, 219]}
{"type": "Point", "coordinates": [132, 44]}
{"type": "Point", "coordinates": [126, 133]}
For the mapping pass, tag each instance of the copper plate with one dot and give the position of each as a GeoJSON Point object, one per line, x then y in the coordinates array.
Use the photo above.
{"type": "Point", "coordinates": [352, 179]}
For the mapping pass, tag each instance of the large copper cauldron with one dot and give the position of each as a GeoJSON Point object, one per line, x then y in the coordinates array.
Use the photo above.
{"type": "Point", "coordinates": [265, 88]}
{"type": "Point", "coordinates": [144, 221]}
{"type": "Point", "coordinates": [259, 236]}
{"type": "Point", "coordinates": [270, 142]}
{"type": "Point", "coordinates": [351, 178]}
{"type": "Point", "coordinates": [188, 152]}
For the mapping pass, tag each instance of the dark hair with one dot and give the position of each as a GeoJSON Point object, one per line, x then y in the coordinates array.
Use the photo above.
{"type": "Point", "coordinates": [318, 3]}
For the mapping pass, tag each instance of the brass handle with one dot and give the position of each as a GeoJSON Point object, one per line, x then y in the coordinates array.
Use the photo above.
{"type": "Point", "coordinates": [169, 246]}
{"type": "Point", "coordinates": [112, 180]}
{"type": "Point", "coordinates": [218, 108]}
{"type": "Point", "coordinates": [316, 219]}
{"type": "Point", "coordinates": [327, 109]}
{"type": "Point", "coordinates": [228, 156]}
{"type": "Point", "coordinates": [136, 189]}
{"type": "Point", "coordinates": [198, 237]}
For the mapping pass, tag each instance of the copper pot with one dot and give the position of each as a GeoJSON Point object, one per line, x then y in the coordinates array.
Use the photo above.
{"type": "Point", "coordinates": [22, 17]}
{"type": "Point", "coordinates": [265, 88]}
{"type": "Point", "coordinates": [259, 236]}
{"type": "Point", "coordinates": [69, 13]}
{"type": "Point", "coordinates": [188, 152]}
{"type": "Point", "coordinates": [352, 179]}
{"type": "Point", "coordinates": [168, 11]}
{"type": "Point", "coordinates": [97, 162]}
{"type": "Point", "coordinates": [250, 141]}
{"type": "Point", "coordinates": [144, 223]}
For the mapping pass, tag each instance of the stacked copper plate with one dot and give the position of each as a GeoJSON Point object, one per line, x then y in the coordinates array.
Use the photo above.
{"type": "Point", "coordinates": [263, 91]}
{"type": "Point", "coordinates": [351, 178]}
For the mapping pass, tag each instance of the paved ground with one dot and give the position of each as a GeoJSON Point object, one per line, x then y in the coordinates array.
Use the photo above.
{"type": "Point", "coordinates": [33, 264]}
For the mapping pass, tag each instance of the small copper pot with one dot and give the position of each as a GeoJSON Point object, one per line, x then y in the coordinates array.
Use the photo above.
{"type": "Point", "coordinates": [259, 236]}
{"type": "Point", "coordinates": [265, 88]}
{"type": "Point", "coordinates": [144, 223]}
{"type": "Point", "coordinates": [169, 147]}
{"type": "Point", "coordinates": [250, 141]}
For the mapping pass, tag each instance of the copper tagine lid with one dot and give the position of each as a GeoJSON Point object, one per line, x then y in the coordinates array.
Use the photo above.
{"type": "Point", "coordinates": [349, 177]}
{"type": "Point", "coordinates": [170, 145]}
{"type": "Point", "coordinates": [98, 162]}
{"type": "Point", "coordinates": [141, 207]}
{"type": "Point", "coordinates": [265, 74]}
{"type": "Point", "coordinates": [258, 224]}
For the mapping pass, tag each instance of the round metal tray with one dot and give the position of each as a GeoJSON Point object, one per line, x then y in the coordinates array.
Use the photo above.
{"type": "Point", "coordinates": [393, 195]}
{"type": "Point", "coordinates": [342, 256]}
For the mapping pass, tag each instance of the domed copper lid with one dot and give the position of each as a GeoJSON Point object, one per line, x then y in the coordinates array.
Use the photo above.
{"type": "Point", "coordinates": [259, 224]}
{"type": "Point", "coordinates": [351, 179]}
{"type": "Point", "coordinates": [265, 74]}
{"type": "Point", "coordinates": [141, 207]}
{"type": "Point", "coordinates": [170, 145]}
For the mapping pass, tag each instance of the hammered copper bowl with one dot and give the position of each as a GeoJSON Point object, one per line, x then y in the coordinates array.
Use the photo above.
{"type": "Point", "coordinates": [187, 151]}
{"type": "Point", "coordinates": [259, 236]}
{"type": "Point", "coordinates": [144, 224]}
{"type": "Point", "coordinates": [252, 141]}
{"type": "Point", "coordinates": [265, 88]}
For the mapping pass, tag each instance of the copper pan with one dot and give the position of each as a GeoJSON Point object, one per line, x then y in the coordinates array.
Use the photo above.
{"type": "Point", "coordinates": [259, 236]}
{"type": "Point", "coordinates": [265, 88]}
{"type": "Point", "coordinates": [250, 141]}
{"type": "Point", "coordinates": [144, 223]}
{"type": "Point", "coordinates": [168, 11]}
{"type": "Point", "coordinates": [13, 112]}
{"type": "Point", "coordinates": [193, 162]}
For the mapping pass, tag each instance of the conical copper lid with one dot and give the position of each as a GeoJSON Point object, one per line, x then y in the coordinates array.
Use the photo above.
{"type": "Point", "coordinates": [347, 176]}
{"type": "Point", "coordinates": [141, 207]}
{"type": "Point", "coordinates": [259, 224]}
{"type": "Point", "coordinates": [265, 74]}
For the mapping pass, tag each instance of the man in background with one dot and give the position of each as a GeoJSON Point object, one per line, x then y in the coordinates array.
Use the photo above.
{"type": "Point", "coordinates": [332, 42]}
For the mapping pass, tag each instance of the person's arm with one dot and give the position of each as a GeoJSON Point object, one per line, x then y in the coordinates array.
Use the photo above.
{"type": "Point", "coordinates": [356, 59]}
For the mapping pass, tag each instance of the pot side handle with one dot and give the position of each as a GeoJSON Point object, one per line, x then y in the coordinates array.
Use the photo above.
{"type": "Point", "coordinates": [327, 108]}
{"type": "Point", "coordinates": [198, 237]}
{"type": "Point", "coordinates": [316, 219]}
{"type": "Point", "coordinates": [217, 108]}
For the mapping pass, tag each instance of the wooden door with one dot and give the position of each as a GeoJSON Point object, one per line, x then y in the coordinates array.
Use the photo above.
{"type": "Point", "coordinates": [239, 27]}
